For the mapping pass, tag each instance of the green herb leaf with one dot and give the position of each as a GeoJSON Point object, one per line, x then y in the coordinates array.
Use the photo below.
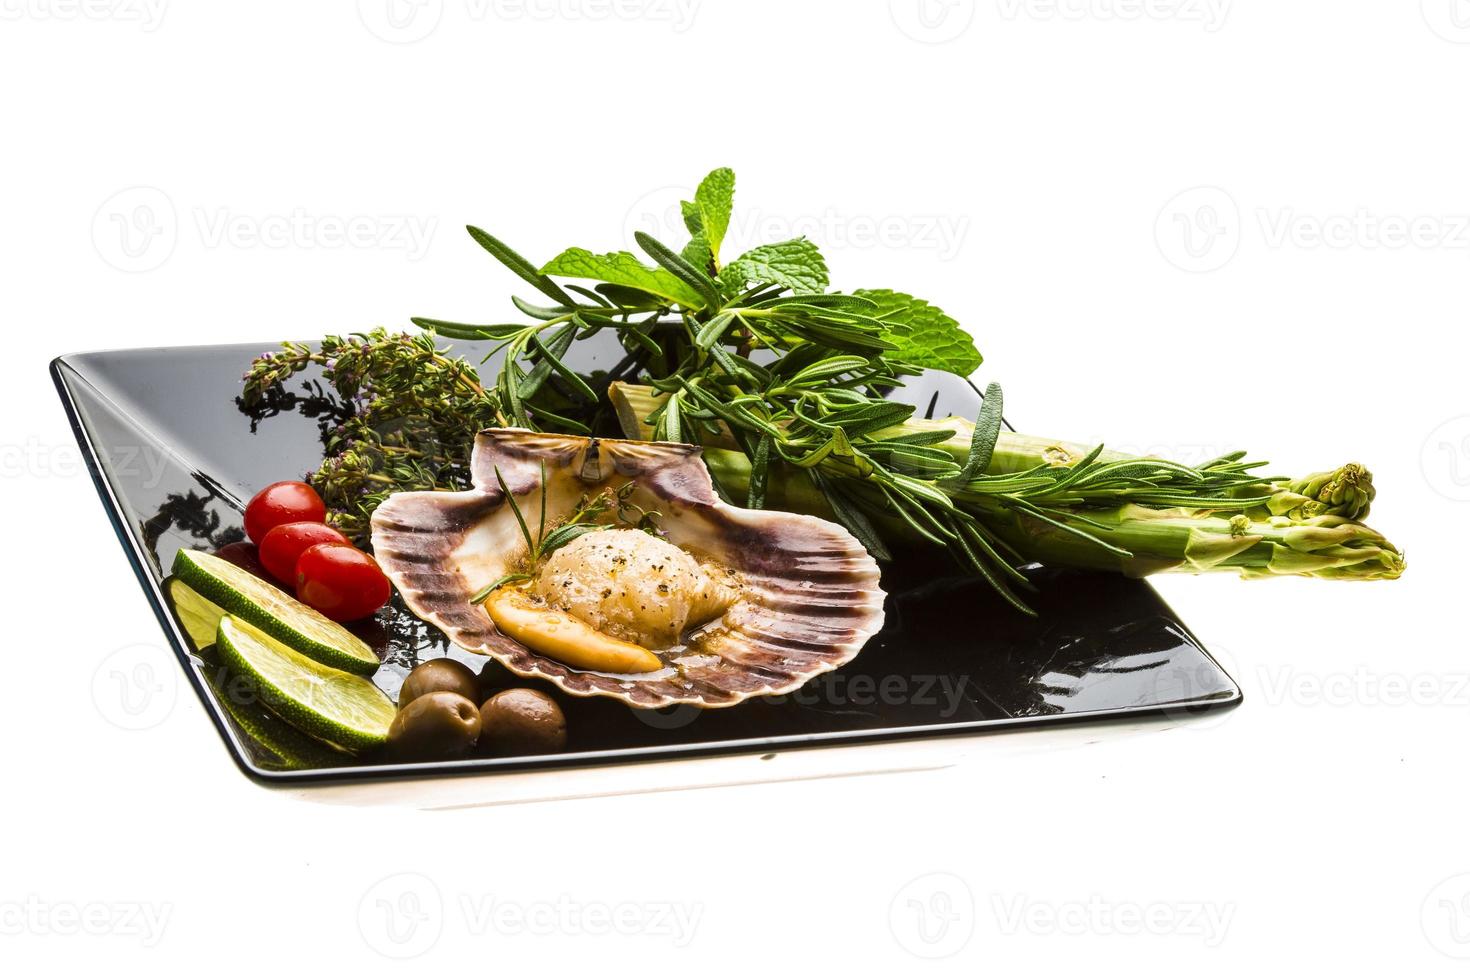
{"type": "Point", "coordinates": [709, 214]}
{"type": "Point", "coordinates": [516, 263]}
{"type": "Point", "coordinates": [680, 268]}
{"type": "Point", "coordinates": [982, 444]}
{"type": "Point", "coordinates": [795, 264]}
{"type": "Point", "coordinates": [924, 334]}
{"type": "Point", "coordinates": [623, 269]}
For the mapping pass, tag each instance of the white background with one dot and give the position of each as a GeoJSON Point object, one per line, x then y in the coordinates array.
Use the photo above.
{"type": "Point", "coordinates": [1183, 226]}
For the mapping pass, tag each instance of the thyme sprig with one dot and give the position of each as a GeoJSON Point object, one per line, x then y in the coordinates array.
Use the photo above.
{"type": "Point", "coordinates": [406, 416]}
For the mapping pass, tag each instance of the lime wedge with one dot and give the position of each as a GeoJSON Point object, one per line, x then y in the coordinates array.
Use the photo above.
{"type": "Point", "coordinates": [266, 607]}
{"type": "Point", "coordinates": [199, 617]}
{"type": "Point", "coordinates": [329, 704]}
{"type": "Point", "coordinates": [272, 743]}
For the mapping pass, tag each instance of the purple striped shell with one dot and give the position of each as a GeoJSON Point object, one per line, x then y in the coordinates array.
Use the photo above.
{"type": "Point", "coordinates": [810, 598]}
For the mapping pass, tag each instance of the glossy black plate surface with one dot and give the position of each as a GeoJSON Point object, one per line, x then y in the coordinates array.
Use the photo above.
{"type": "Point", "coordinates": [175, 458]}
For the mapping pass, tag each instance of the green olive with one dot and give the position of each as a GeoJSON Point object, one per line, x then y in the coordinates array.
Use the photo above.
{"type": "Point", "coordinates": [442, 674]}
{"type": "Point", "coordinates": [437, 725]}
{"type": "Point", "coordinates": [521, 721]}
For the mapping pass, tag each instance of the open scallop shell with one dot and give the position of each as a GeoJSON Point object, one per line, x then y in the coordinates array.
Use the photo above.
{"type": "Point", "coordinates": [810, 602]}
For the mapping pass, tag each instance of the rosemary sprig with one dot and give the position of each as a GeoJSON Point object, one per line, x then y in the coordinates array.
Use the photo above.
{"type": "Point", "coordinates": [590, 514]}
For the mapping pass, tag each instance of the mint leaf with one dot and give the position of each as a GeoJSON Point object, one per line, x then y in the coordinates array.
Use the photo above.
{"type": "Point", "coordinates": [709, 215]}
{"type": "Point", "coordinates": [925, 335]}
{"type": "Point", "coordinates": [795, 264]}
{"type": "Point", "coordinates": [697, 252]}
{"type": "Point", "coordinates": [690, 211]}
{"type": "Point", "coordinates": [623, 269]}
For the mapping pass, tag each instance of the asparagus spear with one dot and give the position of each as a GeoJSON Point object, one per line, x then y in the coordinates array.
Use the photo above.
{"type": "Point", "coordinates": [1292, 527]}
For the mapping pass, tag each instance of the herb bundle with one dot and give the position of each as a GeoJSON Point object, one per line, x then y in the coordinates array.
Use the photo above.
{"type": "Point", "coordinates": [785, 382]}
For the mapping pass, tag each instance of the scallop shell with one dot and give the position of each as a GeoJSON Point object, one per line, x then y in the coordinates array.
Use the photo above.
{"type": "Point", "coordinates": [810, 602]}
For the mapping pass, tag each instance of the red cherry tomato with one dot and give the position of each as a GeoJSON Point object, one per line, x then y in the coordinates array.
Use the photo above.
{"type": "Point", "coordinates": [282, 503]}
{"type": "Point", "coordinates": [245, 555]}
{"type": "Point", "coordinates": [340, 582]}
{"type": "Point", "coordinates": [284, 544]}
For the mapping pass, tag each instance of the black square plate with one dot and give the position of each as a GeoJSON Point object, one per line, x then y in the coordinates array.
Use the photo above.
{"type": "Point", "coordinates": [175, 458]}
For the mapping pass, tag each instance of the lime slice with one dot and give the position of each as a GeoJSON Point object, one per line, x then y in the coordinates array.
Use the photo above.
{"type": "Point", "coordinates": [273, 744]}
{"type": "Point", "coordinates": [266, 607]}
{"type": "Point", "coordinates": [332, 705]}
{"type": "Point", "coordinates": [199, 617]}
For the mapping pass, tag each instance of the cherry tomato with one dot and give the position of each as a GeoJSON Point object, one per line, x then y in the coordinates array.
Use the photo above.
{"type": "Point", "coordinates": [282, 503]}
{"type": "Point", "coordinates": [245, 555]}
{"type": "Point", "coordinates": [284, 543]}
{"type": "Point", "coordinates": [340, 582]}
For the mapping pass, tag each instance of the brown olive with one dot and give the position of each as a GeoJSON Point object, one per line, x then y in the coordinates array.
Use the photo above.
{"type": "Point", "coordinates": [521, 721]}
{"type": "Point", "coordinates": [442, 674]}
{"type": "Point", "coordinates": [438, 725]}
